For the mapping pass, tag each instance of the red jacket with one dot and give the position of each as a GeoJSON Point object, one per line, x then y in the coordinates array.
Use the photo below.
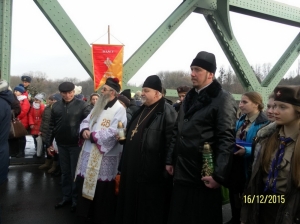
{"type": "Point", "coordinates": [25, 107]}
{"type": "Point", "coordinates": [35, 119]}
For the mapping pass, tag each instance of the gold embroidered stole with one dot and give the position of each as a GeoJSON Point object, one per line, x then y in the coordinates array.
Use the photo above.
{"type": "Point", "coordinates": [95, 159]}
{"type": "Point", "coordinates": [92, 171]}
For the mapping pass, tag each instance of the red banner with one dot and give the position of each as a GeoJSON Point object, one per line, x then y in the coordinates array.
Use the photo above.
{"type": "Point", "coordinates": [107, 62]}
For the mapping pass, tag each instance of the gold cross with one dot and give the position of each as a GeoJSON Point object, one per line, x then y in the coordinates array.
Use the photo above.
{"type": "Point", "coordinates": [133, 132]}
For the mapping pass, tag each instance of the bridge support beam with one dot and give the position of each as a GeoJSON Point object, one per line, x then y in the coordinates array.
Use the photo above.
{"type": "Point", "coordinates": [5, 38]}
{"type": "Point", "coordinates": [67, 30]}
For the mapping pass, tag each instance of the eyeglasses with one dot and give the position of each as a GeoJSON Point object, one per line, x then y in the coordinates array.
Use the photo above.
{"type": "Point", "coordinates": [105, 89]}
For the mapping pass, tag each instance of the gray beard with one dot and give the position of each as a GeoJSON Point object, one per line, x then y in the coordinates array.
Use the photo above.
{"type": "Point", "coordinates": [98, 109]}
{"type": "Point", "coordinates": [143, 100]}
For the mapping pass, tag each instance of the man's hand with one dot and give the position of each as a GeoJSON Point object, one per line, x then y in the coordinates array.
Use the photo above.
{"type": "Point", "coordinates": [86, 134]}
{"type": "Point", "coordinates": [32, 126]}
{"type": "Point", "coordinates": [50, 150]}
{"type": "Point", "coordinates": [170, 169]}
{"type": "Point", "coordinates": [210, 182]}
{"type": "Point", "coordinates": [241, 150]}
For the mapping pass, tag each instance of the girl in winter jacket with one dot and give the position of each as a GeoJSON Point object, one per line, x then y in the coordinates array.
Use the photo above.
{"type": "Point", "coordinates": [25, 107]}
{"type": "Point", "coordinates": [35, 116]}
{"type": "Point", "coordinates": [273, 193]}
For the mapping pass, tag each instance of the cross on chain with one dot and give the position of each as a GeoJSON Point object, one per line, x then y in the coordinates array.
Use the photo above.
{"type": "Point", "coordinates": [133, 132]}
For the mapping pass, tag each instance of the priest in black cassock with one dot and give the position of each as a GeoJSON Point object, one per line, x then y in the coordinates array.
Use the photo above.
{"type": "Point", "coordinates": [145, 186]}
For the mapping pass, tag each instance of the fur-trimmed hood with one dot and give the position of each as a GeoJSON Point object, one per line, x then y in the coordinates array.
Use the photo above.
{"type": "Point", "coordinates": [267, 130]}
{"type": "Point", "coordinates": [204, 98]}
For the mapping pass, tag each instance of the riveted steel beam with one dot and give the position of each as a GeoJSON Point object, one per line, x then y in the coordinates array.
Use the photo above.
{"type": "Point", "coordinates": [283, 64]}
{"type": "Point", "coordinates": [269, 10]}
{"type": "Point", "coordinates": [232, 51]}
{"type": "Point", "coordinates": [68, 32]}
{"type": "Point", "coordinates": [223, 11]}
{"type": "Point", "coordinates": [5, 38]}
{"type": "Point", "coordinates": [152, 44]}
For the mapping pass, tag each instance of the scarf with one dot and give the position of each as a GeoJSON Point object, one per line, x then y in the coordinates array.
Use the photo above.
{"type": "Point", "coordinates": [36, 105]}
{"type": "Point", "coordinates": [21, 97]}
{"type": "Point", "coordinates": [276, 165]}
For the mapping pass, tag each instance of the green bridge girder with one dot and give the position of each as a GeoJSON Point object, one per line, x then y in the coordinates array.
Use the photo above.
{"type": "Point", "coordinates": [67, 30]}
{"type": "Point", "coordinates": [5, 38]}
{"type": "Point", "coordinates": [216, 13]}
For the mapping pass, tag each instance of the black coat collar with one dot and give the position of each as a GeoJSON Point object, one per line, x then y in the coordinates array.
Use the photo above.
{"type": "Point", "coordinates": [204, 98]}
{"type": "Point", "coordinates": [158, 109]}
{"type": "Point", "coordinates": [110, 103]}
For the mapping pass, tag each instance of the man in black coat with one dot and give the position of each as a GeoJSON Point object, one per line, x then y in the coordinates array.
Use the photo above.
{"type": "Point", "coordinates": [66, 116]}
{"type": "Point", "coordinates": [207, 115]}
{"type": "Point", "coordinates": [6, 99]}
{"type": "Point", "coordinates": [132, 106]}
{"type": "Point", "coordinates": [144, 184]}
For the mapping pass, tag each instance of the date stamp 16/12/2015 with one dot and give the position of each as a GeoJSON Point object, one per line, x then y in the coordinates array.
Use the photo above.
{"type": "Point", "coordinates": [264, 199]}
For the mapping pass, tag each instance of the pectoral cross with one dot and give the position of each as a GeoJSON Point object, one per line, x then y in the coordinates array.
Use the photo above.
{"type": "Point", "coordinates": [133, 132]}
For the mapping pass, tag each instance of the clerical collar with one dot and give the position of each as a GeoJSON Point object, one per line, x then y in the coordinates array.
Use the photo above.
{"type": "Point", "coordinates": [199, 90]}
{"type": "Point", "coordinates": [111, 103]}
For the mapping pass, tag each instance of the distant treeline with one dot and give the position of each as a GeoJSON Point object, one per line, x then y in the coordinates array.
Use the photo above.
{"type": "Point", "coordinates": [170, 80]}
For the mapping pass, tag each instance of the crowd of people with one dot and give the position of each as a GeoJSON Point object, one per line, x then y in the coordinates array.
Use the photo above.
{"type": "Point", "coordinates": [143, 159]}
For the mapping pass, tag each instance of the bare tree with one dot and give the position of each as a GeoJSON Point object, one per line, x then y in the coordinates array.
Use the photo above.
{"type": "Point", "coordinates": [171, 80]}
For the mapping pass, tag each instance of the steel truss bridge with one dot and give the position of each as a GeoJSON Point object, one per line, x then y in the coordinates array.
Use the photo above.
{"type": "Point", "coordinates": [215, 12]}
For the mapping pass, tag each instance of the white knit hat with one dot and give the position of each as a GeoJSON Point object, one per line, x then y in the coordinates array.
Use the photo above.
{"type": "Point", "coordinates": [78, 89]}
{"type": "Point", "coordinates": [3, 85]}
{"type": "Point", "coordinates": [40, 96]}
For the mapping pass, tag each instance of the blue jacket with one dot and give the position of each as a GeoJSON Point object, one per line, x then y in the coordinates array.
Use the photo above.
{"type": "Point", "coordinates": [260, 121]}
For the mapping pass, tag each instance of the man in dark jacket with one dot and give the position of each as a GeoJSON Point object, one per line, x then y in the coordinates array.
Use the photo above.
{"type": "Point", "coordinates": [132, 106]}
{"type": "Point", "coordinates": [46, 117]}
{"type": "Point", "coordinates": [6, 99]}
{"type": "Point", "coordinates": [182, 91]}
{"type": "Point", "coordinates": [207, 115]}
{"type": "Point", "coordinates": [144, 185]}
{"type": "Point", "coordinates": [66, 116]}
{"type": "Point", "coordinates": [30, 90]}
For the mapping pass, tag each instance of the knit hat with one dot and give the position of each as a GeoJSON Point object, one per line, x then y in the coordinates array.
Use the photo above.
{"type": "Point", "coordinates": [288, 94]}
{"type": "Point", "coordinates": [66, 87]}
{"type": "Point", "coordinates": [57, 96]}
{"type": "Point", "coordinates": [19, 88]}
{"type": "Point", "coordinates": [26, 78]}
{"type": "Point", "coordinates": [124, 100]}
{"type": "Point", "coordinates": [78, 90]}
{"type": "Point", "coordinates": [40, 96]}
{"type": "Point", "coordinates": [3, 85]}
{"type": "Point", "coordinates": [153, 82]}
{"type": "Point", "coordinates": [79, 96]}
{"type": "Point", "coordinates": [206, 61]}
{"type": "Point", "coordinates": [183, 89]}
{"type": "Point", "coordinates": [127, 93]}
{"type": "Point", "coordinates": [113, 83]}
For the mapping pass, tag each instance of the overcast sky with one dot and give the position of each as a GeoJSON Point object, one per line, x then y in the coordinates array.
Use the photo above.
{"type": "Point", "coordinates": [37, 47]}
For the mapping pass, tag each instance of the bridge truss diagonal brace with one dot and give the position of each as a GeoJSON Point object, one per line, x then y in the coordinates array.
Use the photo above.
{"type": "Point", "coordinates": [232, 51]}
{"type": "Point", "coordinates": [67, 30]}
{"type": "Point", "coordinates": [223, 11]}
{"type": "Point", "coordinates": [268, 9]}
{"type": "Point", "coordinates": [160, 35]}
{"type": "Point", "coordinates": [283, 64]}
{"type": "Point", "coordinates": [5, 38]}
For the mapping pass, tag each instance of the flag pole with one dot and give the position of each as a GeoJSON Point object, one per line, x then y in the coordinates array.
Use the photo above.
{"type": "Point", "coordinates": [108, 32]}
